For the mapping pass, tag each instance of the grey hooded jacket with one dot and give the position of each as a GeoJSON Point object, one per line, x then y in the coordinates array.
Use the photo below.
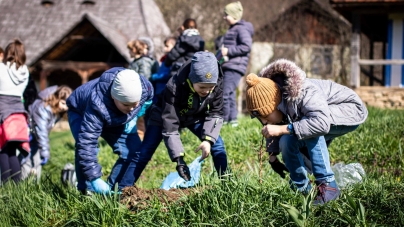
{"type": "Point", "coordinates": [44, 120]}
{"type": "Point", "coordinates": [314, 105]}
{"type": "Point", "coordinates": [13, 82]}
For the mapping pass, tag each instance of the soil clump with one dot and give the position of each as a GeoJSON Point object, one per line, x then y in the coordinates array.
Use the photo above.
{"type": "Point", "coordinates": [137, 198]}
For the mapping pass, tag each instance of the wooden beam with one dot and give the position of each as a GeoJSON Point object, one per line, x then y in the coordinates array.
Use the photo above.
{"type": "Point", "coordinates": [75, 65]}
{"type": "Point", "coordinates": [381, 62]}
{"type": "Point", "coordinates": [84, 76]}
{"type": "Point", "coordinates": [355, 50]}
{"type": "Point", "coordinates": [42, 79]}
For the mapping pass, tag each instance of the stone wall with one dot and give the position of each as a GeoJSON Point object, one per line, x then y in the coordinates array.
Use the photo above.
{"type": "Point", "coordinates": [382, 97]}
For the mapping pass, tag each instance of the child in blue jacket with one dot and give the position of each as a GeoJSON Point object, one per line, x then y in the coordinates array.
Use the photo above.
{"type": "Point", "coordinates": [103, 107]}
{"type": "Point", "coordinates": [161, 78]}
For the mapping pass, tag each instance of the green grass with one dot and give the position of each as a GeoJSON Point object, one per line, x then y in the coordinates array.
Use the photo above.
{"type": "Point", "coordinates": [241, 201]}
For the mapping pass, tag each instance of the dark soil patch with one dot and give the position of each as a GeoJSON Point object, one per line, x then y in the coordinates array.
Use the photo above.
{"type": "Point", "coordinates": [137, 198]}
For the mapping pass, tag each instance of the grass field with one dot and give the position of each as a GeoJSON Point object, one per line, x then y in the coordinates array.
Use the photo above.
{"type": "Point", "coordinates": [240, 201]}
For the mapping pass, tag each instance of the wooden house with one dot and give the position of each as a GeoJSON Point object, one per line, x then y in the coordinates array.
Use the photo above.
{"type": "Point", "coordinates": [73, 41]}
{"type": "Point", "coordinates": [378, 27]}
{"type": "Point", "coordinates": [308, 32]}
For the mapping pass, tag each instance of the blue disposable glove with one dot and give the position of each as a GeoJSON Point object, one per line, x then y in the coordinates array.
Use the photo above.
{"type": "Point", "coordinates": [100, 186]}
{"type": "Point", "coordinates": [44, 161]}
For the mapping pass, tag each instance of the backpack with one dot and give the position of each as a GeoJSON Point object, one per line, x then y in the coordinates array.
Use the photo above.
{"type": "Point", "coordinates": [68, 175]}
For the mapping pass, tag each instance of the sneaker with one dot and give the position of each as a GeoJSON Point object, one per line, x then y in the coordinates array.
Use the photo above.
{"type": "Point", "coordinates": [233, 123]}
{"type": "Point", "coordinates": [327, 191]}
{"type": "Point", "coordinates": [305, 191]}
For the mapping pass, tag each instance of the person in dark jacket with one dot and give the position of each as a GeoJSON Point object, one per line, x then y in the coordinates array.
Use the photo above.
{"type": "Point", "coordinates": [188, 43]}
{"type": "Point", "coordinates": [103, 107]}
{"type": "Point", "coordinates": [237, 43]}
{"type": "Point", "coordinates": [192, 99]}
{"type": "Point", "coordinates": [298, 112]}
{"type": "Point", "coordinates": [45, 111]}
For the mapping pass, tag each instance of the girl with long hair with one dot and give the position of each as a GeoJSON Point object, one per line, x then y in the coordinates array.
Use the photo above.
{"type": "Point", "coordinates": [46, 110]}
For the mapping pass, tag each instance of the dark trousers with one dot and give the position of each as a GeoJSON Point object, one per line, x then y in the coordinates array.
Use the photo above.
{"type": "Point", "coordinates": [10, 166]}
{"type": "Point", "coordinates": [152, 140]}
{"type": "Point", "coordinates": [230, 83]}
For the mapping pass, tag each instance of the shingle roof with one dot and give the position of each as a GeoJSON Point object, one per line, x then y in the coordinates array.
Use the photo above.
{"type": "Point", "coordinates": [41, 28]}
{"type": "Point", "coordinates": [366, 1]}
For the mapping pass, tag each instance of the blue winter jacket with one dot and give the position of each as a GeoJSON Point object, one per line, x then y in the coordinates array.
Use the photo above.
{"type": "Point", "coordinates": [94, 102]}
{"type": "Point", "coordinates": [238, 39]}
{"type": "Point", "coordinates": [160, 79]}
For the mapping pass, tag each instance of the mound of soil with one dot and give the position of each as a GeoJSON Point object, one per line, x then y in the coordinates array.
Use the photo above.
{"type": "Point", "coordinates": [136, 198]}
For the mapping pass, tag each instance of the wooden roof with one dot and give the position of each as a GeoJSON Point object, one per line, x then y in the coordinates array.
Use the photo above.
{"type": "Point", "coordinates": [367, 1]}
{"type": "Point", "coordinates": [319, 23]}
{"type": "Point", "coordinates": [42, 25]}
{"type": "Point", "coordinates": [368, 6]}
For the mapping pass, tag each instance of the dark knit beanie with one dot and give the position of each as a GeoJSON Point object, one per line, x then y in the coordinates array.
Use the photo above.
{"type": "Point", "coordinates": [263, 95]}
{"type": "Point", "coordinates": [204, 68]}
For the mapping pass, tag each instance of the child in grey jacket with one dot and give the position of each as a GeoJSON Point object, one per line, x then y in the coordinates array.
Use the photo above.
{"type": "Point", "coordinates": [236, 48]}
{"type": "Point", "coordinates": [298, 112]}
{"type": "Point", "coordinates": [142, 64]}
{"type": "Point", "coordinates": [46, 110]}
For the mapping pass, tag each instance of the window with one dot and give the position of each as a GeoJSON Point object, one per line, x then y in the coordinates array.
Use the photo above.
{"type": "Point", "coordinates": [47, 3]}
{"type": "Point", "coordinates": [88, 2]}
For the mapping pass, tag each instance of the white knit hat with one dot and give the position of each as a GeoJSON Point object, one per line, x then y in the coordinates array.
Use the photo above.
{"type": "Point", "coordinates": [127, 86]}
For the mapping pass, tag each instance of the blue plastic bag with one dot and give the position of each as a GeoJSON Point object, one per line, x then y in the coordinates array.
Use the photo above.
{"type": "Point", "coordinates": [173, 180]}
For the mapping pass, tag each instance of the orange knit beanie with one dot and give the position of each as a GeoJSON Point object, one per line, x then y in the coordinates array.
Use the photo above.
{"type": "Point", "coordinates": [263, 95]}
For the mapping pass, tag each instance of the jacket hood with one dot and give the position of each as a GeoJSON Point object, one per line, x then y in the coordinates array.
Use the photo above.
{"type": "Point", "coordinates": [195, 42]}
{"type": "Point", "coordinates": [288, 76]}
{"type": "Point", "coordinates": [190, 32]}
{"type": "Point", "coordinates": [246, 25]}
{"type": "Point", "coordinates": [150, 46]}
{"type": "Point", "coordinates": [44, 94]}
{"type": "Point", "coordinates": [19, 75]}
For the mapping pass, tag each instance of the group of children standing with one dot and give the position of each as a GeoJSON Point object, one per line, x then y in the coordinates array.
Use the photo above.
{"type": "Point", "coordinates": [190, 89]}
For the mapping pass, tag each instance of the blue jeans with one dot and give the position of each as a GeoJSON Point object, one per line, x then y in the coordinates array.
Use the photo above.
{"type": "Point", "coordinates": [289, 145]}
{"type": "Point", "coordinates": [230, 82]}
{"type": "Point", "coordinates": [123, 144]}
{"type": "Point", "coordinates": [151, 141]}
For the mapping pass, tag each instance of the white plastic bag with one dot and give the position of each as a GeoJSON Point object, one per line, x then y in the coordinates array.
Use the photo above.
{"type": "Point", "coordinates": [346, 175]}
{"type": "Point", "coordinates": [173, 180]}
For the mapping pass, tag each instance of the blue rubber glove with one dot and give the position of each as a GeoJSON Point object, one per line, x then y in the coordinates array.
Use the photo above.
{"type": "Point", "coordinates": [44, 161]}
{"type": "Point", "coordinates": [100, 186]}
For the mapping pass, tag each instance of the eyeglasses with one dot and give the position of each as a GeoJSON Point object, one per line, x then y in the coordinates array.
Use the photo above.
{"type": "Point", "coordinates": [255, 113]}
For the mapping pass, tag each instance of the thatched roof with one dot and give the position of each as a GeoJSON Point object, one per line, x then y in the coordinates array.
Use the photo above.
{"type": "Point", "coordinates": [41, 25]}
